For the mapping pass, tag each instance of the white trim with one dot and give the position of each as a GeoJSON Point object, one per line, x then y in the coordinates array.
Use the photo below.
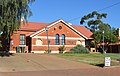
{"type": "Point", "coordinates": [83, 43]}
{"type": "Point", "coordinates": [22, 45]}
{"type": "Point", "coordinates": [42, 52]}
{"type": "Point", "coordinates": [39, 42]}
{"type": "Point", "coordinates": [12, 51]}
{"type": "Point", "coordinates": [44, 37]}
{"type": "Point", "coordinates": [54, 23]}
{"type": "Point", "coordinates": [44, 28]}
{"type": "Point", "coordinates": [74, 38]}
{"type": "Point", "coordinates": [73, 28]}
{"type": "Point", "coordinates": [90, 38]}
{"type": "Point", "coordinates": [38, 52]}
{"type": "Point", "coordinates": [60, 20]}
{"type": "Point", "coordinates": [56, 45]}
{"type": "Point", "coordinates": [55, 52]}
{"type": "Point", "coordinates": [51, 37]}
{"type": "Point", "coordinates": [37, 32]}
{"type": "Point", "coordinates": [78, 42]}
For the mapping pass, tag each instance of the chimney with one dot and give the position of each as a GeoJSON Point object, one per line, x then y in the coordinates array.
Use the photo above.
{"type": "Point", "coordinates": [119, 32]}
{"type": "Point", "coordinates": [22, 19]}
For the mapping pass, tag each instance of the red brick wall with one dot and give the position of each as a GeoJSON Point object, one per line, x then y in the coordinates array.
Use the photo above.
{"type": "Point", "coordinates": [51, 32]}
{"type": "Point", "coordinates": [52, 48]}
{"type": "Point", "coordinates": [16, 39]}
{"type": "Point", "coordinates": [65, 30]}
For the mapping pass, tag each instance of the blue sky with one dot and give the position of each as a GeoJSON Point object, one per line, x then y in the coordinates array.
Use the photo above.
{"type": "Point", "coordinates": [51, 10]}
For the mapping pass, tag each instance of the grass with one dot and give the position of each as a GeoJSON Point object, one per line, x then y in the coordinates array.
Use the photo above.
{"type": "Point", "coordinates": [92, 58]}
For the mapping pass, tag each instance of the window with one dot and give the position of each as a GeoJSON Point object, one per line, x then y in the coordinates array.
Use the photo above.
{"type": "Point", "coordinates": [60, 27]}
{"type": "Point", "coordinates": [55, 28]}
{"type": "Point", "coordinates": [57, 39]}
{"type": "Point", "coordinates": [38, 42]}
{"type": "Point", "coordinates": [22, 39]}
{"type": "Point", "coordinates": [78, 42]}
{"type": "Point", "coordinates": [63, 39]}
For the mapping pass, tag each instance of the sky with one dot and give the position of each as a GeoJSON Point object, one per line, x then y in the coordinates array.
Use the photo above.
{"type": "Point", "coordinates": [72, 11]}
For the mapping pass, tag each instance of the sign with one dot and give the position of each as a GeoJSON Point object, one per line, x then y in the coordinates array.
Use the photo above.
{"type": "Point", "coordinates": [107, 61]}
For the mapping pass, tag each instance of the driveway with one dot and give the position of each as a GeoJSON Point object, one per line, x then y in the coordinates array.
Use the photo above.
{"type": "Point", "coordinates": [38, 62]}
{"type": "Point", "coordinates": [50, 65]}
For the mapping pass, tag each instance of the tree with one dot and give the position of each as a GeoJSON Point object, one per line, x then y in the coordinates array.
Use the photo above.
{"type": "Point", "coordinates": [109, 36]}
{"type": "Point", "coordinates": [97, 26]}
{"type": "Point", "coordinates": [11, 12]}
{"type": "Point", "coordinates": [94, 19]}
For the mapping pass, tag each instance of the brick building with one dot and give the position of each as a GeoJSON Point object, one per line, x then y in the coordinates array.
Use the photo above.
{"type": "Point", "coordinates": [32, 37]}
{"type": "Point", "coordinates": [115, 47]}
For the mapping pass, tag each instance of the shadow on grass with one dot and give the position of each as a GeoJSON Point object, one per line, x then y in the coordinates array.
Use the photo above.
{"type": "Point", "coordinates": [100, 65]}
{"type": "Point", "coordinates": [6, 54]}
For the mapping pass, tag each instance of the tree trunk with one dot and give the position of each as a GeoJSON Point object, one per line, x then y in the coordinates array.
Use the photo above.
{"type": "Point", "coordinates": [5, 43]}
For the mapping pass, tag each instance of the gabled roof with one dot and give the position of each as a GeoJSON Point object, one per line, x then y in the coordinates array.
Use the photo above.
{"type": "Point", "coordinates": [39, 27]}
{"type": "Point", "coordinates": [33, 26]}
{"type": "Point", "coordinates": [84, 31]}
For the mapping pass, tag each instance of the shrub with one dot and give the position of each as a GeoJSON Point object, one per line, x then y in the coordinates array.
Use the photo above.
{"type": "Point", "coordinates": [79, 49]}
{"type": "Point", "coordinates": [46, 51]}
{"type": "Point", "coordinates": [61, 49]}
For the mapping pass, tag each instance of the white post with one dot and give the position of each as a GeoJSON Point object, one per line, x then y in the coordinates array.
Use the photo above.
{"type": "Point", "coordinates": [107, 60]}
{"type": "Point", "coordinates": [103, 43]}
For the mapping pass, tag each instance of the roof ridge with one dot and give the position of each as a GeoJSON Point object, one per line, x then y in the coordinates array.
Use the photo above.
{"type": "Point", "coordinates": [37, 22]}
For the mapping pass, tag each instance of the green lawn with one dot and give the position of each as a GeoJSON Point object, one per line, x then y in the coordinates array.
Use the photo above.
{"type": "Point", "coordinates": [93, 59]}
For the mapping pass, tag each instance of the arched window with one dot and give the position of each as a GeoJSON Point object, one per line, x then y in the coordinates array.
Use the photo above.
{"type": "Point", "coordinates": [57, 39]}
{"type": "Point", "coordinates": [78, 42]}
{"type": "Point", "coordinates": [38, 42]}
{"type": "Point", "coordinates": [63, 39]}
